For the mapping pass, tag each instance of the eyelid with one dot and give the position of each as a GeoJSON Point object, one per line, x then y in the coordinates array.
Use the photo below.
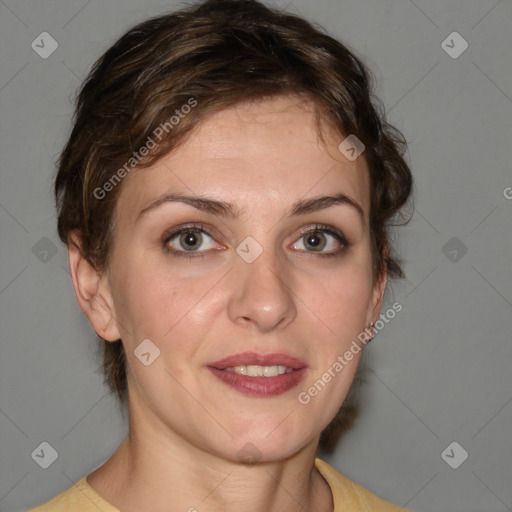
{"type": "Point", "coordinates": [176, 231]}
{"type": "Point", "coordinates": [326, 228]}
{"type": "Point", "coordinates": [329, 230]}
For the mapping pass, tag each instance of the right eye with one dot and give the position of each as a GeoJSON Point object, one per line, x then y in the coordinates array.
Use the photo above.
{"type": "Point", "coordinates": [188, 242]}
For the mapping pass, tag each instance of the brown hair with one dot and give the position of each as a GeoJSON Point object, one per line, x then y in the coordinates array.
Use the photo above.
{"type": "Point", "coordinates": [216, 53]}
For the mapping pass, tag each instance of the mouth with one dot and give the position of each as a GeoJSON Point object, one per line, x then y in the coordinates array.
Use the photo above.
{"type": "Point", "coordinates": [259, 371]}
{"type": "Point", "coordinates": [260, 375]}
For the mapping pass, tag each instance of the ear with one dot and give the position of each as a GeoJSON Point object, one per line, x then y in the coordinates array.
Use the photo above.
{"type": "Point", "coordinates": [377, 298]}
{"type": "Point", "coordinates": [92, 291]}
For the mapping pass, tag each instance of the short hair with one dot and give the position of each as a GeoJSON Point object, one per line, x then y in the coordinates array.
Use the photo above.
{"type": "Point", "coordinates": [213, 55]}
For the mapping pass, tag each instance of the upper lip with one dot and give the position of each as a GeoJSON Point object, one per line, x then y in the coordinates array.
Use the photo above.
{"type": "Point", "coordinates": [254, 358]}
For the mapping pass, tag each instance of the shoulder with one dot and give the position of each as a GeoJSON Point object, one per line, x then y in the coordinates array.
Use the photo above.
{"type": "Point", "coordinates": [80, 497]}
{"type": "Point", "coordinates": [349, 496]}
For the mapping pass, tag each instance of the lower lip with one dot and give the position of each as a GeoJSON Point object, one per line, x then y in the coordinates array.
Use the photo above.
{"type": "Point", "coordinates": [260, 386]}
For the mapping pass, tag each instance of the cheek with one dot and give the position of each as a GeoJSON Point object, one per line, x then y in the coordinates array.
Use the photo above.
{"type": "Point", "coordinates": [340, 305]}
{"type": "Point", "coordinates": [341, 298]}
{"type": "Point", "coordinates": [166, 308]}
{"type": "Point", "coordinates": [161, 310]}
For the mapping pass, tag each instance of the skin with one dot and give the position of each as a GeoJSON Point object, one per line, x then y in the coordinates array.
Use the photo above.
{"type": "Point", "coordinates": [186, 426]}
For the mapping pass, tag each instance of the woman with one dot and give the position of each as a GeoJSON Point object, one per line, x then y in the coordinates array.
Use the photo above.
{"type": "Point", "coordinates": [225, 196]}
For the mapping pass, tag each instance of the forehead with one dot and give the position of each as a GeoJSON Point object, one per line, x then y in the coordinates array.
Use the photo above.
{"type": "Point", "coordinates": [265, 153]}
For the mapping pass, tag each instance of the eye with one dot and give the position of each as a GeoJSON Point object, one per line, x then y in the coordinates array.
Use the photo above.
{"type": "Point", "coordinates": [189, 241]}
{"type": "Point", "coordinates": [323, 240]}
{"type": "Point", "coordinates": [194, 241]}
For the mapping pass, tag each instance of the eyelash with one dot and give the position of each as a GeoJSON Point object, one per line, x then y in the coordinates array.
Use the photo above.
{"type": "Point", "coordinates": [199, 228]}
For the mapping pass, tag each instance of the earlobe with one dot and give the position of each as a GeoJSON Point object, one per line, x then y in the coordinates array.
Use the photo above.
{"type": "Point", "coordinates": [92, 291]}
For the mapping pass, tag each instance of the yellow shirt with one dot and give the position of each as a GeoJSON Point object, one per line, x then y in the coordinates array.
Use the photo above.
{"type": "Point", "coordinates": [347, 496]}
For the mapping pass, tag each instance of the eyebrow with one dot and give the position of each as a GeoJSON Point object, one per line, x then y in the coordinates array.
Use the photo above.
{"type": "Point", "coordinates": [224, 209]}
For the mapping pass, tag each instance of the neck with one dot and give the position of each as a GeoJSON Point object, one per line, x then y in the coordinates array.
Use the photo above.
{"type": "Point", "coordinates": [155, 469]}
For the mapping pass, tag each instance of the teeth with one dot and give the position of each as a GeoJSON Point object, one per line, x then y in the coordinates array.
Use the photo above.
{"type": "Point", "coordinates": [259, 371]}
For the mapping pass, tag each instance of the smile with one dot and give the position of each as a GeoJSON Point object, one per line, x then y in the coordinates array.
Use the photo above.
{"type": "Point", "coordinates": [260, 375]}
{"type": "Point", "coordinates": [259, 371]}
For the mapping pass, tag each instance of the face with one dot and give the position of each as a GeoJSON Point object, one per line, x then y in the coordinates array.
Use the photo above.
{"type": "Point", "coordinates": [258, 266]}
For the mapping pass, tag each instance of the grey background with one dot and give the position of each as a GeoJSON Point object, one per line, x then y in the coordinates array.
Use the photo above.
{"type": "Point", "coordinates": [440, 370]}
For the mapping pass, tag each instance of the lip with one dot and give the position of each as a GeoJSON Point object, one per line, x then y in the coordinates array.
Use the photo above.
{"type": "Point", "coordinates": [254, 358]}
{"type": "Point", "coordinates": [259, 386]}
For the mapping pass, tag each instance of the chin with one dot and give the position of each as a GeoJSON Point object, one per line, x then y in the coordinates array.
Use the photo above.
{"type": "Point", "coordinates": [264, 444]}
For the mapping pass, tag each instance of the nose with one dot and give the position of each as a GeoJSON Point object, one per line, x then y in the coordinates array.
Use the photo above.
{"type": "Point", "coordinates": [262, 295]}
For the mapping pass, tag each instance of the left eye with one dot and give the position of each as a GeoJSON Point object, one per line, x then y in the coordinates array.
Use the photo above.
{"type": "Point", "coordinates": [319, 240]}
